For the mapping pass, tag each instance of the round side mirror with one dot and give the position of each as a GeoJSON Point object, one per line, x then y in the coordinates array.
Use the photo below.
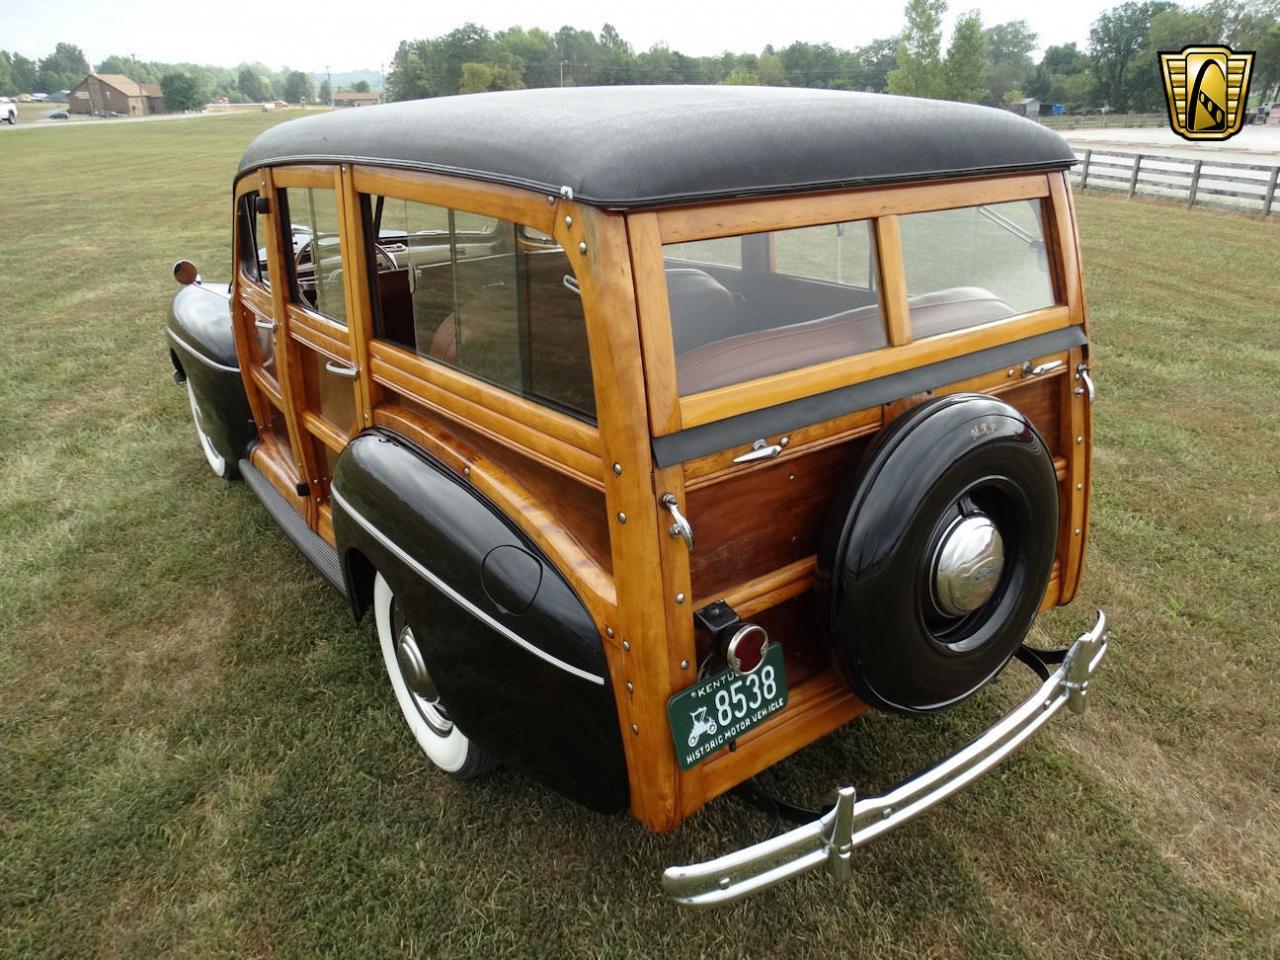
{"type": "Point", "coordinates": [185, 272]}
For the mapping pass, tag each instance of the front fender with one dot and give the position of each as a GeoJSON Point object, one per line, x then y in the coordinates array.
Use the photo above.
{"type": "Point", "coordinates": [202, 346]}
{"type": "Point", "coordinates": [512, 649]}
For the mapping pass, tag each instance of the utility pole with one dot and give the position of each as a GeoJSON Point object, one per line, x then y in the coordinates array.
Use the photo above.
{"type": "Point", "coordinates": [329, 79]}
{"type": "Point", "coordinates": [562, 63]}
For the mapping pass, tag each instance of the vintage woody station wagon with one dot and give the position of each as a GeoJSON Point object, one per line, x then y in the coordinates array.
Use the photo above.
{"type": "Point", "coordinates": [665, 430]}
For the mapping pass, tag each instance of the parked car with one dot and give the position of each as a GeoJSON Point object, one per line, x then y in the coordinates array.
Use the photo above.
{"type": "Point", "coordinates": [8, 111]}
{"type": "Point", "coordinates": [57, 115]}
{"type": "Point", "coordinates": [662, 431]}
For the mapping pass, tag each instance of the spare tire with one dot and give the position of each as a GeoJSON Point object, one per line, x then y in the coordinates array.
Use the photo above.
{"type": "Point", "coordinates": [938, 553]}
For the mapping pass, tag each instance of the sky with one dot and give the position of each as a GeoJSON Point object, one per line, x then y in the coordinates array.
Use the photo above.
{"type": "Point", "coordinates": [344, 35]}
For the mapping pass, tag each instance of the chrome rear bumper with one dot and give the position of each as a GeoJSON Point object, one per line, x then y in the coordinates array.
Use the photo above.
{"type": "Point", "coordinates": [830, 840]}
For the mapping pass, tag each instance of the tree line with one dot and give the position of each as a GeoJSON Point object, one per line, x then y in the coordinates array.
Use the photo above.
{"type": "Point", "coordinates": [982, 63]}
{"type": "Point", "coordinates": [990, 64]}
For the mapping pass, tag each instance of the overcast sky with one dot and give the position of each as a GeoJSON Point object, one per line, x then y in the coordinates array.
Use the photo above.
{"type": "Point", "coordinates": [349, 35]}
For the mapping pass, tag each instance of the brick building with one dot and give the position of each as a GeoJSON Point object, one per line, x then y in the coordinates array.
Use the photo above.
{"type": "Point", "coordinates": [101, 93]}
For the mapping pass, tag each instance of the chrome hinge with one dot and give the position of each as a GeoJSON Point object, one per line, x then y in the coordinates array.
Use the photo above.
{"type": "Point", "coordinates": [1082, 374]}
{"type": "Point", "coordinates": [681, 526]}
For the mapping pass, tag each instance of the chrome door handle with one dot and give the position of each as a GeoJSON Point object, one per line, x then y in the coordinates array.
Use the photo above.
{"type": "Point", "coordinates": [262, 324]}
{"type": "Point", "coordinates": [762, 450]}
{"type": "Point", "coordinates": [571, 283]}
{"type": "Point", "coordinates": [350, 371]}
{"type": "Point", "coordinates": [1082, 373]}
{"type": "Point", "coordinates": [1029, 371]}
{"type": "Point", "coordinates": [681, 526]}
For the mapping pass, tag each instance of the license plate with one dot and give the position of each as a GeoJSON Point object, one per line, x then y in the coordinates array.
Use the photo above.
{"type": "Point", "coordinates": [707, 716]}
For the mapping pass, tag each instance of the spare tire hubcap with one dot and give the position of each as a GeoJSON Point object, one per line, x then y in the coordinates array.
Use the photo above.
{"type": "Point", "coordinates": [967, 565]}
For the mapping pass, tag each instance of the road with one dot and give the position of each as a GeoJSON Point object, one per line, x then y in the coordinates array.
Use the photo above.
{"type": "Point", "coordinates": [1259, 145]}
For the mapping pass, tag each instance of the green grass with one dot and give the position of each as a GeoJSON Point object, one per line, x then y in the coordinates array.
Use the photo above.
{"type": "Point", "coordinates": [201, 756]}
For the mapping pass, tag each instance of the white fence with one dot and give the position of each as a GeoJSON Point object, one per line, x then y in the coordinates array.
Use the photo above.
{"type": "Point", "coordinates": [1243, 187]}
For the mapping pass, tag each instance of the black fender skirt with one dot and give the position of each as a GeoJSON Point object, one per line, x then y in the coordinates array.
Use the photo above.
{"type": "Point", "coordinates": [514, 653]}
{"type": "Point", "coordinates": [203, 349]}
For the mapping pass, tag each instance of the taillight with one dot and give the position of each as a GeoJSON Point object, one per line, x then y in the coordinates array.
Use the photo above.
{"type": "Point", "coordinates": [746, 648]}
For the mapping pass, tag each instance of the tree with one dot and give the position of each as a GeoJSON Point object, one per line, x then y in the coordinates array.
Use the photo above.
{"type": "Point", "coordinates": [325, 94]}
{"type": "Point", "coordinates": [182, 93]}
{"type": "Point", "coordinates": [919, 72]}
{"type": "Point", "coordinates": [1063, 76]}
{"type": "Point", "coordinates": [6, 75]}
{"type": "Point", "coordinates": [253, 85]}
{"type": "Point", "coordinates": [1115, 40]}
{"type": "Point", "coordinates": [873, 64]}
{"type": "Point", "coordinates": [480, 77]}
{"type": "Point", "coordinates": [25, 73]}
{"type": "Point", "coordinates": [298, 88]}
{"type": "Point", "coordinates": [966, 63]}
{"type": "Point", "coordinates": [360, 86]}
{"type": "Point", "coordinates": [62, 69]}
{"type": "Point", "coordinates": [1009, 63]}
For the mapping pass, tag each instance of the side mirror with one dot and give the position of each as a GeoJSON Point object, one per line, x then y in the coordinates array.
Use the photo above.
{"type": "Point", "coordinates": [185, 272]}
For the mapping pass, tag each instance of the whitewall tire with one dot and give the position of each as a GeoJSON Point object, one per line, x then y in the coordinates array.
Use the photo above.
{"type": "Point", "coordinates": [439, 737]}
{"type": "Point", "coordinates": [217, 462]}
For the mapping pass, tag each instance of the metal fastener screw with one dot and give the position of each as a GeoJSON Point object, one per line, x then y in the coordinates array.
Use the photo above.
{"type": "Point", "coordinates": [783, 441]}
{"type": "Point", "coordinates": [609, 631]}
{"type": "Point", "coordinates": [1077, 531]}
{"type": "Point", "coordinates": [684, 664]}
{"type": "Point", "coordinates": [622, 517]}
{"type": "Point", "coordinates": [630, 687]}
{"type": "Point", "coordinates": [725, 882]}
{"type": "Point", "coordinates": [551, 201]}
{"type": "Point", "coordinates": [617, 469]}
{"type": "Point", "coordinates": [582, 246]}
{"type": "Point", "coordinates": [679, 598]}
{"type": "Point", "coordinates": [626, 645]}
{"type": "Point", "coordinates": [568, 221]}
{"type": "Point", "coordinates": [1080, 439]}
{"type": "Point", "coordinates": [1010, 373]}
{"type": "Point", "coordinates": [466, 471]}
{"type": "Point", "coordinates": [635, 728]}
{"type": "Point", "coordinates": [1079, 486]}
{"type": "Point", "coordinates": [791, 476]}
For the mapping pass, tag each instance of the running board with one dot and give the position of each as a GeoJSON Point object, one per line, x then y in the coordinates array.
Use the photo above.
{"type": "Point", "coordinates": [322, 556]}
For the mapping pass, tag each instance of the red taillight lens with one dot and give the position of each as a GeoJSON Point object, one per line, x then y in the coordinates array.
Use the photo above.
{"type": "Point", "coordinates": [747, 648]}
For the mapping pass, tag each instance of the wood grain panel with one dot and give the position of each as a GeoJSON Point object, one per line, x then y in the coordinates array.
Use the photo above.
{"type": "Point", "coordinates": [751, 524]}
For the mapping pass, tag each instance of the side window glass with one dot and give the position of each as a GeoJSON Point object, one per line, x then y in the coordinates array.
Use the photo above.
{"type": "Point", "coordinates": [252, 228]}
{"type": "Point", "coordinates": [317, 253]}
{"type": "Point", "coordinates": [841, 253]}
{"type": "Point", "coordinates": [973, 265]}
{"type": "Point", "coordinates": [485, 296]}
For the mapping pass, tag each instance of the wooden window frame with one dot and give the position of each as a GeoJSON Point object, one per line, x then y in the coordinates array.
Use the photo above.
{"type": "Point", "coordinates": [669, 412]}
{"type": "Point", "coordinates": [558, 440]}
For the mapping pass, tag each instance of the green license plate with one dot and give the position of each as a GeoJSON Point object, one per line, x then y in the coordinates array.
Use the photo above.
{"type": "Point", "coordinates": [711, 713]}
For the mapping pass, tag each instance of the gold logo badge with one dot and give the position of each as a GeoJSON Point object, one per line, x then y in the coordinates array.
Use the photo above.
{"type": "Point", "coordinates": [1206, 88]}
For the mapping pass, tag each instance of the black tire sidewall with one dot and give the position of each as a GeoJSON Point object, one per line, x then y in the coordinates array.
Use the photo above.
{"type": "Point", "coordinates": [883, 564]}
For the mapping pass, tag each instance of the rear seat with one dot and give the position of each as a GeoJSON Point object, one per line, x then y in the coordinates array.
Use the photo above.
{"type": "Point", "coordinates": [751, 355]}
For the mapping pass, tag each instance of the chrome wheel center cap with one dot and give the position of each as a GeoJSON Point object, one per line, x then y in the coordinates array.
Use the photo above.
{"type": "Point", "coordinates": [412, 667]}
{"type": "Point", "coordinates": [967, 566]}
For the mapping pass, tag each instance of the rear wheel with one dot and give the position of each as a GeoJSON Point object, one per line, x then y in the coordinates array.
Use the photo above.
{"type": "Point", "coordinates": [439, 737]}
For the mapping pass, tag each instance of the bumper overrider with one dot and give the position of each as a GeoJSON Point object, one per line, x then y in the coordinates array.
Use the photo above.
{"type": "Point", "coordinates": [830, 840]}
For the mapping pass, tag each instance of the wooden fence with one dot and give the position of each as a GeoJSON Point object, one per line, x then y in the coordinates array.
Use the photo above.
{"type": "Point", "coordinates": [1095, 120]}
{"type": "Point", "coordinates": [1243, 187]}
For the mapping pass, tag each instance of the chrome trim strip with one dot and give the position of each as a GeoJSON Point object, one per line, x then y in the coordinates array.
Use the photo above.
{"type": "Point", "coordinates": [198, 355]}
{"type": "Point", "coordinates": [455, 596]}
{"type": "Point", "coordinates": [830, 840]}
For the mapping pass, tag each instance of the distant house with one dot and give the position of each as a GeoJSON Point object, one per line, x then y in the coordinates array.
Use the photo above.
{"type": "Point", "coordinates": [345, 98]}
{"type": "Point", "coordinates": [1026, 107]}
{"type": "Point", "coordinates": [102, 93]}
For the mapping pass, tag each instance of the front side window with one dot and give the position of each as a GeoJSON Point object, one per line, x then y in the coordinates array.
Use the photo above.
{"type": "Point", "coordinates": [750, 306]}
{"type": "Point", "coordinates": [317, 251]}
{"type": "Point", "coordinates": [489, 297]}
{"type": "Point", "coordinates": [973, 265]}
{"type": "Point", "coordinates": [252, 229]}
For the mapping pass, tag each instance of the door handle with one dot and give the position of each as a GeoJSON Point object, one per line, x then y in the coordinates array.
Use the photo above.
{"type": "Point", "coordinates": [262, 324]}
{"type": "Point", "coordinates": [1082, 373]}
{"type": "Point", "coordinates": [681, 526]}
{"type": "Point", "coordinates": [1029, 371]}
{"type": "Point", "coordinates": [350, 371]}
{"type": "Point", "coordinates": [762, 450]}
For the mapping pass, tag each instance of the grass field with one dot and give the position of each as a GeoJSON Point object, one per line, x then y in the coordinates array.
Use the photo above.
{"type": "Point", "coordinates": [201, 756]}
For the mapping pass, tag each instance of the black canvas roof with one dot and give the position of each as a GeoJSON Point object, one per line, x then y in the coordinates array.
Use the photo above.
{"type": "Point", "coordinates": [639, 146]}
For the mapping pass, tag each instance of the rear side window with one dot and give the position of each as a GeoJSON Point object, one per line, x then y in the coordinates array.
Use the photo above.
{"type": "Point", "coordinates": [252, 229]}
{"type": "Point", "coordinates": [751, 306]}
{"type": "Point", "coordinates": [973, 265]}
{"type": "Point", "coordinates": [489, 297]}
{"type": "Point", "coordinates": [317, 252]}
